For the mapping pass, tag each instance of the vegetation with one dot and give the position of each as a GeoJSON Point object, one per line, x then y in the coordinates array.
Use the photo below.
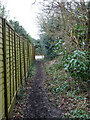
{"type": "Point", "coordinates": [38, 48]}
{"type": "Point", "coordinates": [3, 11]}
{"type": "Point", "coordinates": [65, 35]}
{"type": "Point", "coordinates": [64, 27]}
{"type": "Point", "coordinates": [64, 32]}
{"type": "Point", "coordinates": [65, 91]}
{"type": "Point", "coordinates": [20, 30]}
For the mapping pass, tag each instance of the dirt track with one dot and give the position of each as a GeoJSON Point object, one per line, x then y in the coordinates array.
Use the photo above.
{"type": "Point", "coordinates": [38, 105]}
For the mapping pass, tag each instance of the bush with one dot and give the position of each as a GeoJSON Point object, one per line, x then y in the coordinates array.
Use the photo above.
{"type": "Point", "coordinates": [77, 64]}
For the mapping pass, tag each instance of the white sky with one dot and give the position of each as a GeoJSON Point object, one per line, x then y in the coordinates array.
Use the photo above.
{"type": "Point", "coordinates": [26, 13]}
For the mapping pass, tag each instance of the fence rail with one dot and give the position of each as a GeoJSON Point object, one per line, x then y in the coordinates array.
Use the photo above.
{"type": "Point", "coordinates": [16, 56]}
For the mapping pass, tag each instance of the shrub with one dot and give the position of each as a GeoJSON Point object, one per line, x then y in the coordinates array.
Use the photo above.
{"type": "Point", "coordinates": [77, 64]}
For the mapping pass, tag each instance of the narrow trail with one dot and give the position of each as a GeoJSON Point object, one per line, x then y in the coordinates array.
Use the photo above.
{"type": "Point", "coordinates": [38, 105]}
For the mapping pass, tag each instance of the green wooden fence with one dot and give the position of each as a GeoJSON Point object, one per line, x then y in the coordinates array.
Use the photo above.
{"type": "Point", "coordinates": [16, 56]}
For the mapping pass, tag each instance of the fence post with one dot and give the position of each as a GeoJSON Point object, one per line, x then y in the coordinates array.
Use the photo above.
{"type": "Point", "coordinates": [15, 62]}
{"type": "Point", "coordinates": [20, 63]}
{"type": "Point", "coordinates": [5, 69]}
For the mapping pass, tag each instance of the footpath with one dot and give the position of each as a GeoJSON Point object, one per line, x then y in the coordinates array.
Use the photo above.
{"type": "Point", "coordinates": [38, 105]}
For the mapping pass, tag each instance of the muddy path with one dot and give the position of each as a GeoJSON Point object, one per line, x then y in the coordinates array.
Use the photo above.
{"type": "Point", "coordinates": [38, 105]}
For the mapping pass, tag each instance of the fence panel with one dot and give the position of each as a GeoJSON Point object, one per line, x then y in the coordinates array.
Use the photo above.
{"type": "Point", "coordinates": [16, 56]}
{"type": "Point", "coordinates": [2, 103]}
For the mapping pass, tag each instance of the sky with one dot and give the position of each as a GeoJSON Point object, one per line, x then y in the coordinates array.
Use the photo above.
{"type": "Point", "coordinates": [24, 12]}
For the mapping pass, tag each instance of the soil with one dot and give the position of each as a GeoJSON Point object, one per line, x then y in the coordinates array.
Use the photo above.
{"type": "Point", "coordinates": [37, 104]}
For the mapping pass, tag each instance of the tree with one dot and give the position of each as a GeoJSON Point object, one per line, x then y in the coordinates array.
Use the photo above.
{"type": "Point", "coordinates": [38, 47]}
{"type": "Point", "coordinates": [3, 12]}
{"type": "Point", "coordinates": [66, 21]}
{"type": "Point", "coordinates": [20, 30]}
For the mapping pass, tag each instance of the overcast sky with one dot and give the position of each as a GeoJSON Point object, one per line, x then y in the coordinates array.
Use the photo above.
{"type": "Point", "coordinates": [24, 12]}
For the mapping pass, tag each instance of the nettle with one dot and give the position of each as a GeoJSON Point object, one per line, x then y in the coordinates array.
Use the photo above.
{"type": "Point", "coordinates": [77, 64]}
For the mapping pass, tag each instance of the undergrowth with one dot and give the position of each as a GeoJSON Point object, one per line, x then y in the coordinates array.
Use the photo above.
{"type": "Point", "coordinates": [65, 92]}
